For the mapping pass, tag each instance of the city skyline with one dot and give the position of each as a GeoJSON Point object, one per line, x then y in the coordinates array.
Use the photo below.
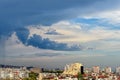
{"type": "Point", "coordinates": [54, 33]}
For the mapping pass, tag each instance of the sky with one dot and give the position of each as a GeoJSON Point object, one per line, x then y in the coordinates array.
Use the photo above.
{"type": "Point", "coordinates": [53, 33]}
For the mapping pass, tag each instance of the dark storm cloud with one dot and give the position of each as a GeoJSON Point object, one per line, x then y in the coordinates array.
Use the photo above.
{"type": "Point", "coordinates": [22, 35]}
{"type": "Point", "coordinates": [46, 43]}
{"type": "Point", "coordinates": [19, 13]}
{"type": "Point", "coordinates": [42, 43]}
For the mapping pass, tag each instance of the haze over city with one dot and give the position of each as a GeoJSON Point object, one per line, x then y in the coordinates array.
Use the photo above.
{"type": "Point", "coordinates": [53, 33]}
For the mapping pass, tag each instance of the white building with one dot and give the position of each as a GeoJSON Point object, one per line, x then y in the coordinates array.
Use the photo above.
{"type": "Point", "coordinates": [118, 70]}
{"type": "Point", "coordinates": [108, 70]}
{"type": "Point", "coordinates": [96, 69]}
{"type": "Point", "coordinates": [13, 73]}
{"type": "Point", "coordinates": [72, 69]}
{"type": "Point", "coordinates": [2, 74]}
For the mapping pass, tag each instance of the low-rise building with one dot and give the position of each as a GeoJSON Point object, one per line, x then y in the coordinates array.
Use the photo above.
{"type": "Point", "coordinates": [13, 73]}
{"type": "Point", "coordinates": [96, 69]}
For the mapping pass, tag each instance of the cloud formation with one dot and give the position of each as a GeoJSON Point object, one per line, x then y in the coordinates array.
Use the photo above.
{"type": "Point", "coordinates": [42, 43]}
{"type": "Point", "coordinates": [92, 24]}
{"type": "Point", "coordinates": [16, 14]}
{"type": "Point", "coordinates": [38, 41]}
{"type": "Point", "coordinates": [52, 32]}
{"type": "Point", "coordinates": [17, 53]}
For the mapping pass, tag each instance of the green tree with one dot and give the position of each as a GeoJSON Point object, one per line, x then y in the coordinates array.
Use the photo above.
{"type": "Point", "coordinates": [80, 77]}
{"type": "Point", "coordinates": [32, 76]}
{"type": "Point", "coordinates": [26, 79]}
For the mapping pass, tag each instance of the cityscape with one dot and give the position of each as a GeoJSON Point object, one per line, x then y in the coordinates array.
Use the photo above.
{"type": "Point", "coordinates": [73, 71]}
{"type": "Point", "coordinates": [59, 39]}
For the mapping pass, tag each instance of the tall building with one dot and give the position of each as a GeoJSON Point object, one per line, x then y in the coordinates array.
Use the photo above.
{"type": "Point", "coordinates": [96, 69]}
{"type": "Point", "coordinates": [73, 69]}
{"type": "Point", "coordinates": [118, 70]}
{"type": "Point", "coordinates": [82, 70]}
{"type": "Point", "coordinates": [108, 70]}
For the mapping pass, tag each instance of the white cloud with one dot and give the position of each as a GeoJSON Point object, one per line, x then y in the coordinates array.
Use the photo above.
{"type": "Point", "coordinates": [15, 48]}
{"type": "Point", "coordinates": [112, 16]}
{"type": "Point", "coordinates": [17, 53]}
{"type": "Point", "coordinates": [103, 33]}
{"type": "Point", "coordinates": [73, 32]}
